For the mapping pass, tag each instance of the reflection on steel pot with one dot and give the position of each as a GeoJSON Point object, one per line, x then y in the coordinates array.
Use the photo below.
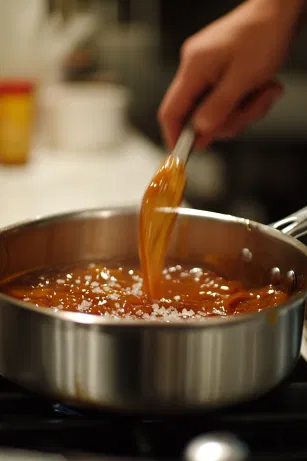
{"type": "Point", "coordinates": [171, 367]}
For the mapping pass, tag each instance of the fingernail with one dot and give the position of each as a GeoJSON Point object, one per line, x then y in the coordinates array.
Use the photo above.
{"type": "Point", "coordinates": [202, 125]}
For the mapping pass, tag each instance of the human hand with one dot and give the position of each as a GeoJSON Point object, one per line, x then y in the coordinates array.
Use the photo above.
{"type": "Point", "coordinates": [235, 60]}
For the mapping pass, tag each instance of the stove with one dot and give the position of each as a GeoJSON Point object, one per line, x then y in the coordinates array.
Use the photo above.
{"type": "Point", "coordinates": [272, 428]}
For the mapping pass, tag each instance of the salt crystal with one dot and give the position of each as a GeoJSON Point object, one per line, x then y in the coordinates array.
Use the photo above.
{"type": "Point", "coordinates": [196, 270]}
{"type": "Point", "coordinates": [60, 281]}
{"type": "Point", "coordinates": [104, 275]}
{"type": "Point", "coordinates": [88, 278]}
{"type": "Point", "coordinates": [224, 288]}
{"type": "Point", "coordinates": [94, 284]}
{"type": "Point", "coordinates": [188, 313]}
{"type": "Point", "coordinates": [113, 296]}
{"type": "Point", "coordinates": [84, 305]}
{"type": "Point", "coordinates": [97, 290]}
{"type": "Point", "coordinates": [136, 289]}
{"type": "Point", "coordinates": [168, 277]}
{"type": "Point", "coordinates": [177, 298]}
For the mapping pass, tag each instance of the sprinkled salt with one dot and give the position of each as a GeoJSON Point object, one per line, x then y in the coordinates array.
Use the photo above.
{"type": "Point", "coordinates": [84, 305]}
{"type": "Point", "coordinates": [196, 270]}
{"type": "Point", "coordinates": [60, 281]}
{"type": "Point", "coordinates": [88, 278]}
{"type": "Point", "coordinates": [136, 289]}
{"type": "Point", "coordinates": [188, 313]}
{"type": "Point", "coordinates": [97, 290]}
{"type": "Point", "coordinates": [104, 275]}
{"type": "Point", "coordinates": [113, 296]}
{"type": "Point", "coordinates": [168, 277]}
{"type": "Point", "coordinates": [224, 288]}
{"type": "Point", "coordinates": [177, 298]}
{"type": "Point", "coordinates": [94, 284]}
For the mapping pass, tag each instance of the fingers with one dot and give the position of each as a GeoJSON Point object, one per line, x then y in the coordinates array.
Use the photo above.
{"type": "Point", "coordinates": [176, 105]}
{"type": "Point", "coordinates": [256, 108]}
{"type": "Point", "coordinates": [192, 79]}
{"type": "Point", "coordinates": [221, 113]}
{"type": "Point", "coordinates": [222, 101]}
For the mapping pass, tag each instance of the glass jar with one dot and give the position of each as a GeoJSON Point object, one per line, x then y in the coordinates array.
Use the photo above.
{"type": "Point", "coordinates": [16, 120]}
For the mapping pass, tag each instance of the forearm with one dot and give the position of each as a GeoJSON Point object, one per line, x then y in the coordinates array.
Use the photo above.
{"type": "Point", "coordinates": [289, 14]}
{"type": "Point", "coordinates": [291, 9]}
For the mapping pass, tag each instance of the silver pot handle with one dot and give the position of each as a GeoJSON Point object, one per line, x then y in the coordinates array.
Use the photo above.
{"type": "Point", "coordinates": [294, 225]}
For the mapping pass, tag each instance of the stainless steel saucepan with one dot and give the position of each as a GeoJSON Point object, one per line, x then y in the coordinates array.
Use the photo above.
{"type": "Point", "coordinates": [146, 366]}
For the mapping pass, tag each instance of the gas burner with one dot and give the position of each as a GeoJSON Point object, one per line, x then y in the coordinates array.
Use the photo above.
{"type": "Point", "coordinates": [271, 428]}
{"type": "Point", "coordinates": [65, 410]}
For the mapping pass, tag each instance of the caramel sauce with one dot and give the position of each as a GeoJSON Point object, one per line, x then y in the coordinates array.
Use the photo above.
{"type": "Point", "coordinates": [165, 191]}
{"type": "Point", "coordinates": [188, 292]}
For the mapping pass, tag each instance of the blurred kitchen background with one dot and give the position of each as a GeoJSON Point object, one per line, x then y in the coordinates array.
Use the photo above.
{"type": "Point", "coordinates": [100, 69]}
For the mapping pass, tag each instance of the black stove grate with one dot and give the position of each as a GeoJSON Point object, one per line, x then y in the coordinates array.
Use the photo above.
{"type": "Point", "coordinates": [273, 427]}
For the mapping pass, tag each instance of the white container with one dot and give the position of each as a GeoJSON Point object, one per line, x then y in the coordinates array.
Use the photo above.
{"type": "Point", "coordinates": [85, 117]}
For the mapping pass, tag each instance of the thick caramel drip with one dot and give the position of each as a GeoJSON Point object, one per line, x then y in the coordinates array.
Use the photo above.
{"type": "Point", "coordinates": [165, 191]}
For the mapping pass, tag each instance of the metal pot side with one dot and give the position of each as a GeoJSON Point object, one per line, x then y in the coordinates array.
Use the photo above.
{"type": "Point", "coordinates": [146, 366]}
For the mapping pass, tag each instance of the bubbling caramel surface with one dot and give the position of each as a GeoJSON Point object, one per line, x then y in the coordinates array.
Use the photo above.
{"type": "Point", "coordinates": [117, 291]}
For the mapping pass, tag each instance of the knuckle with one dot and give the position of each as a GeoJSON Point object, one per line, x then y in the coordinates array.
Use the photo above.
{"type": "Point", "coordinates": [164, 114]}
{"type": "Point", "coordinates": [189, 49]}
{"type": "Point", "coordinates": [185, 49]}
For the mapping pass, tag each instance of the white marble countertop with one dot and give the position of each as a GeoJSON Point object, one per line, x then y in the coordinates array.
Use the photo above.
{"type": "Point", "coordinates": [56, 182]}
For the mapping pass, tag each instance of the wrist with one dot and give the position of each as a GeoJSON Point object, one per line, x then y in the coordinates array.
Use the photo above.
{"type": "Point", "coordinates": [281, 7]}
{"type": "Point", "coordinates": [287, 12]}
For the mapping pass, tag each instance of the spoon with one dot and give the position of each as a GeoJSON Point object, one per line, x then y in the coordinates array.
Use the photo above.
{"type": "Point", "coordinates": [185, 143]}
